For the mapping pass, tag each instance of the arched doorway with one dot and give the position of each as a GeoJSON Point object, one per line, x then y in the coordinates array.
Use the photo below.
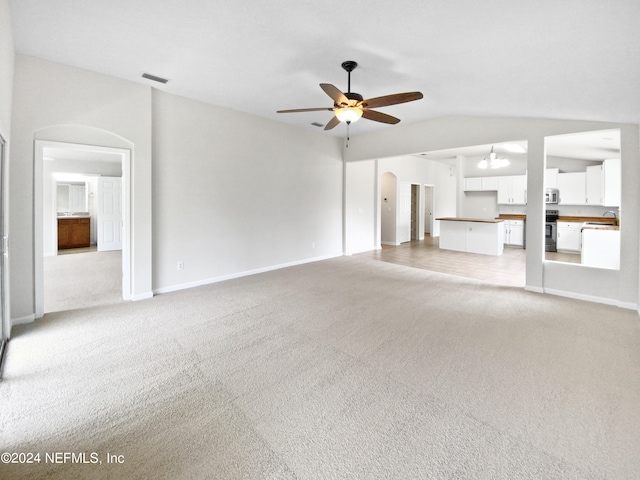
{"type": "Point", "coordinates": [124, 154]}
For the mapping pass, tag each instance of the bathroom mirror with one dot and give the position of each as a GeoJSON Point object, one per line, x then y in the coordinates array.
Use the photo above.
{"type": "Point", "coordinates": [582, 198]}
{"type": "Point", "coordinates": [71, 197]}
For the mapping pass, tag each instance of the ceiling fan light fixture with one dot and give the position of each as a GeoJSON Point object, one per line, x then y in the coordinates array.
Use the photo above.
{"type": "Point", "coordinates": [349, 114]}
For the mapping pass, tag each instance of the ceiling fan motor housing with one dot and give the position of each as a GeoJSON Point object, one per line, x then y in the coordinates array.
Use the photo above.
{"type": "Point", "coordinates": [354, 96]}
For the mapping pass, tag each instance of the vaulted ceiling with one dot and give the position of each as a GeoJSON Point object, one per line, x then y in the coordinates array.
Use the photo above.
{"type": "Point", "coordinates": [568, 59]}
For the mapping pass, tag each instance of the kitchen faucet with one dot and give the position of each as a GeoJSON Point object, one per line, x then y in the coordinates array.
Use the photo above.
{"type": "Point", "coordinates": [614, 216]}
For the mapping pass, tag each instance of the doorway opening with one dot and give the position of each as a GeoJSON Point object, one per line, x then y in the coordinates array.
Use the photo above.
{"type": "Point", "coordinates": [87, 160]}
{"type": "Point", "coordinates": [428, 210]}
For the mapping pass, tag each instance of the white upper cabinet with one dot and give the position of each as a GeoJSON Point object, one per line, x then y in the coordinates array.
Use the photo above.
{"type": "Point", "coordinates": [572, 187]}
{"type": "Point", "coordinates": [599, 185]}
{"type": "Point", "coordinates": [481, 184]}
{"type": "Point", "coordinates": [473, 184]}
{"type": "Point", "coordinates": [595, 185]}
{"type": "Point", "coordinates": [512, 190]}
{"type": "Point", "coordinates": [490, 184]}
{"type": "Point", "coordinates": [551, 177]}
{"type": "Point", "coordinates": [611, 174]}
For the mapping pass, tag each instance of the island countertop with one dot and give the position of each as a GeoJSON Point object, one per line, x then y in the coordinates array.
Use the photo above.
{"type": "Point", "coordinates": [481, 220]}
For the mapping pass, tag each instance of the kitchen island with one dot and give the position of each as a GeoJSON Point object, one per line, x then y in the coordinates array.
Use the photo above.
{"type": "Point", "coordinates": [473, 235]}
{"type": "Point", "coordinates": [601, 246]}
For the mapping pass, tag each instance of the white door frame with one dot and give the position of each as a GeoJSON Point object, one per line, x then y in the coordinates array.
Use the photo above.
{"type": "Point", "coordinates": [38, 244]}
{"type": "Point", "coordinates": [5, 318]}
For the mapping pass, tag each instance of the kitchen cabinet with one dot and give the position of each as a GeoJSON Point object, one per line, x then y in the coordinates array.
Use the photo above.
{"type": "Point", "coordinates": [74, 232]}
{"type": "Point", "coordinates": [472, 235]}
{"type": "Point", "coordinates": [490, 184]}
{"type": "Point", "coordinates": [599, 185]}
{"type": "Point", "coordinates": [595, 185]}
{"type": "Point", "coordinates": [514, 232]}
{"type": "Point", "coordinates": [473, 184]}
{"type": "Point", "coordinates": [569, 237]}
{"type": "Point", "coordinates": [612, 179]}
{"type": "Point", "coordinates": [601, 248]}
{"type": "Point", "coordinates": [572, 188]}
{"type": "Point", "coordinates": [551, 177]}
{"type": "Point", "coordinates": [512, 190]}
{"type": "Point", "coordinates": [480, 184]}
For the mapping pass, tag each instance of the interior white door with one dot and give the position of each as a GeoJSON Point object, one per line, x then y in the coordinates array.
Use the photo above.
{"type": "Point", "coordinates": [427, 210]}
{"type": "Point", "coordinates": [109, 213]}
{"type": "Point", "coordinates": [404, 213]}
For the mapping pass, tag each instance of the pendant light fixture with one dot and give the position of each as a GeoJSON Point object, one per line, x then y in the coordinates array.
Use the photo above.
{"type": "Point", "coordinates": [492, 161]}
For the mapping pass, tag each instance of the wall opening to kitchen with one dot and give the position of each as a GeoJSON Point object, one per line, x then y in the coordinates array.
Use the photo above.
{"type": "Point", "coordinates": [582, 186]}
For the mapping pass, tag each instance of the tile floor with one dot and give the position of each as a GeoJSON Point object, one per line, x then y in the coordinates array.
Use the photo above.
{"type": "Point", "coordinates": [506, 269]}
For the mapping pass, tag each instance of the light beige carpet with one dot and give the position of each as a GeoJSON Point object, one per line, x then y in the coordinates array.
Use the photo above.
{"type": "Point", "coordinates": [340, 369]}
{"type": "Point", "coordinates": [82, 280]}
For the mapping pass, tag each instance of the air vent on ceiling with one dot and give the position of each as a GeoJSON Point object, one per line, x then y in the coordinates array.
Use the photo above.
{"type": "Point", "coordinates": [316, 124]}
{"type": "Point", "coordinates": [148, 76]}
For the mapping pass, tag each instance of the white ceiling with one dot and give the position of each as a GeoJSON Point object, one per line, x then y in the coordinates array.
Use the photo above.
{"type": "Point", "coordinates": [569, 153]}
{"type": "Point", "coordinates": [568, 59]}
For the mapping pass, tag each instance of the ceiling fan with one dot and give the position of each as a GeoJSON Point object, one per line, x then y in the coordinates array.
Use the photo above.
{"type": "Point", "coordinates": [350, 106]}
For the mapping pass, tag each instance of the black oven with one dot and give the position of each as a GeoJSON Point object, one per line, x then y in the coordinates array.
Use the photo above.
{"type": "Point", "coordinates": [551, 231]}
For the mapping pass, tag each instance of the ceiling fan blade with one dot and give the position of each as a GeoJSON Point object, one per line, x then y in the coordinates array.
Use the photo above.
{"type": "Point", "coordinates": [337, 96]}
{"type": "Point", "coordinates": [305, 110]}
{"type": "Point", "coordinates": [394, 99]}
{"type": "Point", "coordinates": [332, 123]}
{"type": "Point", "coordinates": [379, 117]}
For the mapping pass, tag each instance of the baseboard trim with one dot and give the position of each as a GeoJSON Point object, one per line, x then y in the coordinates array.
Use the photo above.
{"type": "Point", "coordinates": [23, 320]}
{"type": "Point", "coordinates": [534, 289]}
{"type": "Point", "coordinates": [222, 278]}
{"type": "Point", "coordinates": [142, 296]}
{"type": "Point", "coordinates": [592, 298]}
{"type": "Point", "coordinates": [355, 252]}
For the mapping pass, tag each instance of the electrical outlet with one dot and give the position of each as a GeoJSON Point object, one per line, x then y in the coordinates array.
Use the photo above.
{"type": "Point", "coordinates": [180, 265]}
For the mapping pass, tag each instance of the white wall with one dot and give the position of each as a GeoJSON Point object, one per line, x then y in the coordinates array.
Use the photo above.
{"type": "Point", "coordinates": [480, 205]}
{"type": "Point", "coordinates": [389, 209]}
{"type": "Point", "coordinates": [6, 69]}
{"type": "Point", "coordinates": [364, 206]}
{"type": "Point", "coordinates": [360, 212]}
{"type": "Point", "coordinates": [230, 193]}
{"type": "Point", "coordinates": [6, 97]}
{"type": "Point", "coordinates": [421, 171]}
{"type": "Point", "coordinates": [235, 194]}
{"type": "Point", "coordinates": [619, 287]}
{"type": "Point", "coordinates": [60, 103]}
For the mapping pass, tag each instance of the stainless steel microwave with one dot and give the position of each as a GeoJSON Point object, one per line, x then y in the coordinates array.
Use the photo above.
{"type": "Point", "coordinates": [551, 195]}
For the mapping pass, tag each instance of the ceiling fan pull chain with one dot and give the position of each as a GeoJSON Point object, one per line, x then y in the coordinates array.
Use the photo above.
{"type": "Point", "coordinates": [348, 123]}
